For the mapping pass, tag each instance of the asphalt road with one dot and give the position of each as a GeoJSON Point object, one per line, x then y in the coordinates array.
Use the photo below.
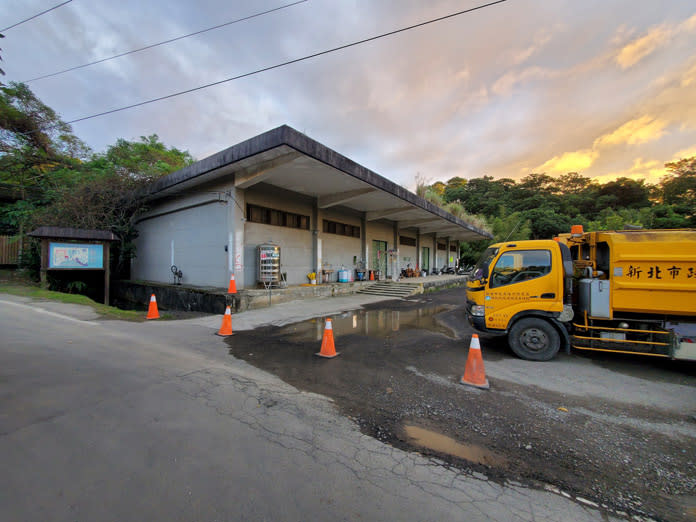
{"type": "Point", "coordinates": [107, 420]}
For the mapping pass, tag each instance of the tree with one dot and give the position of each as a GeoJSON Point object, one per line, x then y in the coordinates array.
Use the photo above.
{"type": "Point", "coordinates": [110, 198]}
{"type": "Point", "coordinates": [2, 73]}
{"type": "Point", "coordinates": [546, 223]}
{"type": "Point", "coordinates": [29, 125]}
{"type": "Point", "coordinates": [146, 159]}
{"type": "Point", "coordinates": [627, 193]}
{"type": "Point", "coordinates": [510, 227]}
{"type": "Point", "coordinates": [679, 186]}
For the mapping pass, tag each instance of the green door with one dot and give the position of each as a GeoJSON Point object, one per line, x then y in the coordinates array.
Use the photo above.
{"type": "Point", "coordinates": [379, 257]}
{"type": "Point", "coordinates": [425, 258]}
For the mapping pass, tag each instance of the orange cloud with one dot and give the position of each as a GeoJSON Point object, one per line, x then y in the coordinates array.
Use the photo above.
{"type": "Point", "coordinates": [507, 81]}
{"type": "Point", "coordinates": [685, 153]}
{"type": "Point", "coordinates": [651, 171]}
{"type": "Point", "coordinates": [569, 162]}
{"type": "Point", "coordinates": [689, 77]}
{"type": "Point", "coordinates": [641, 47]}
{"type": "Point", "coordinates": [540, 40]}
{"type": "Point", "coordinates": [633, 132]}
{"type": "Point", "coordinates": [639, 130]}
{"type": "Point", "coordinates": [633, 52]}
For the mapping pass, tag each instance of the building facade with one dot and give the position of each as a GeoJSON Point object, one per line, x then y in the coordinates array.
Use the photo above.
{"type": "Point", "coordinates": [324, 211]}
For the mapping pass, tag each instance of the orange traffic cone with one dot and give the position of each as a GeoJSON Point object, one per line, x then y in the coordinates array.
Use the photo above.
{"type": "Point", "coordinates": [474, 372]}
{"type": "Point", "coordinates": [233, 286]}
{"type": "Point", "coordinates": [152, 312]}
{"type": "Point", "coordinates": [328, 349]}
{"type": "Point", "coordinates": [226, 328]}
{"type": "Point", "coordinates": [372, 275]}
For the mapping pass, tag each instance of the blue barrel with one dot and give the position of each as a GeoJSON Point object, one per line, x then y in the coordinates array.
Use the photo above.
{"type": "Point", "coordinates": [343, 276]}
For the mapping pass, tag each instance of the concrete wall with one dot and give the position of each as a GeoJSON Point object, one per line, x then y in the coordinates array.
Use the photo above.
{"type": "Point", "coordinates": [295, 244]}
{"type": "Point", "coordinates": [408, 255]}
{"type": "Point", "coordinates": [193, 239]}
{"type": "Point", "coordinates": [338, 250]}
{"type": "Point", "coordinates": [295, 251]}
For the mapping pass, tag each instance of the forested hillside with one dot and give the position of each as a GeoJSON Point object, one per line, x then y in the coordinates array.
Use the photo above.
{"type": "Point", "coordinates": [539, 206]}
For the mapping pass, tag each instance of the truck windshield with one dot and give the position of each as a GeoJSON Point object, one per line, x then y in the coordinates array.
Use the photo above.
{"type": "Point", "coordinates": [481, 269]}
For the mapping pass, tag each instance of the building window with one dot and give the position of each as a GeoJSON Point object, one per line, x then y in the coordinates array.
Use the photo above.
{"type": "Point", "coordinates": [453, 248]}
{"type": "Point", "coordinates": [408, 241]}
{"type": "Point", "coordinates": [279, 218]}
{"type": "Point", "coordinates": [342, 229]}
{"type": "Point", "coordinates": [441, 246]}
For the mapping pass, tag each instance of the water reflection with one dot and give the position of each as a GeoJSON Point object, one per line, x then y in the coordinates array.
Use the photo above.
{"type": "Point", "coordinates": [373, 323]}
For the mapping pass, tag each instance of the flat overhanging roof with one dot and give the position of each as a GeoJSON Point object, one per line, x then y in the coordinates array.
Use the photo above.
{"type": "Point", "coordinates": [287, 159]}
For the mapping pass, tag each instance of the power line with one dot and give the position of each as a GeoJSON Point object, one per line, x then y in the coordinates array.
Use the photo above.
{"type": "Point", "coordinates": [289, 62]}
{"type": "Point", "coordinates": [165, 41]}
{"type": "Point", "coordinates": [35, 16]}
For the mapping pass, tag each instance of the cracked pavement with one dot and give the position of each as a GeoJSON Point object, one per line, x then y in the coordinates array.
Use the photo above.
{"type": "Point", "coordinates": [154, 421]}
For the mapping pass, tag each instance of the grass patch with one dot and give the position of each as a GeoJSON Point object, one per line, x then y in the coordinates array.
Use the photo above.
{"type": "Point", "coordinates": [35, 292]}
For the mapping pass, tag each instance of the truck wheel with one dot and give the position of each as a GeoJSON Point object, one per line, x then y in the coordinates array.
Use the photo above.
{"type": "Point", "coordinates": [534, 339]}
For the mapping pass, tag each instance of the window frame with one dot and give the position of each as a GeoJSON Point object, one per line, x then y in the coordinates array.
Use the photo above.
{"type": "Point", "coordinates": [505, 277]}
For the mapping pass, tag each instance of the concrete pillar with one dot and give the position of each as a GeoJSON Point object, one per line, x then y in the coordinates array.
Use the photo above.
{"type": "Point", "coordinates": [419, 260]}
{"type": "Point", "coordinates": [435, 265]}
{"type": "Point", "coordinates": [236, 203]}
{"type": "Point", "coordinates": [395, 263]}
{"type": "Point", "coordinates": [447, 249]}
{"type": "Point", "coordinates": [363, 239]}
{"type": "Point", "coordinates": [316, 226]}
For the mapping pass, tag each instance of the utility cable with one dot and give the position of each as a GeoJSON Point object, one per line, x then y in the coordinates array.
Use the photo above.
{"type": "Point", "coordinates": [126, 53]}
{"type": "Point", "coordinates": [35, 16]}
{"type": "Point", "coordinates": [289, 62]}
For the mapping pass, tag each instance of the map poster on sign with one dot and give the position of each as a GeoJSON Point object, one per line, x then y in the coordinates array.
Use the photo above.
{"type": "Point", "coordinates": [75, 256]}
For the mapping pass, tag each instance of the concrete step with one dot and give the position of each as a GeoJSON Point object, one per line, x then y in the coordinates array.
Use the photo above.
{"type": "Point", "coordinates": [391, 289]}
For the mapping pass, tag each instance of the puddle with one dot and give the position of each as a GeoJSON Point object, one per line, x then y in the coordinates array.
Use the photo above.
{"type": "Point", "coordinates": [444, 444]}
{"type": "Point", "coordinates": [372, 323]}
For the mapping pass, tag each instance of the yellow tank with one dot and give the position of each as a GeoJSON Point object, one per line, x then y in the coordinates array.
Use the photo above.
{"type": "Point", "coordinates": [650, 271]}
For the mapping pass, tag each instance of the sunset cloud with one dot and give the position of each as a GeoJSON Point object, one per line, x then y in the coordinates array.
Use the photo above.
{"type": "Point", "coordinates": [689, 77]}
{"type": "Point", "coordinates": [651, 171]}
{"type": "Point", "coordinates": [503, 91]}
{"type": "Point", "coordinates": [540, 41]}
{"type": "Point", "coordinates": [639, 130]}
{"type": "Point", "coordinates": [659, 36]}
{"type": "Point", "coordinates": [507, 81]}
{"type": "Point", "coordinates": [569, 162]}
{"type": "Point", "coordinates": [641, 47]}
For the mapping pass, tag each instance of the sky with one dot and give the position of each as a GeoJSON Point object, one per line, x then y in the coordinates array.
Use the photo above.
{"type": "Point", "coordinates": [604, 88]}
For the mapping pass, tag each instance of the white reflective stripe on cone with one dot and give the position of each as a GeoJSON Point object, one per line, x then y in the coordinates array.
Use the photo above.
{"type": "Point", "coordinates": [328, 325]}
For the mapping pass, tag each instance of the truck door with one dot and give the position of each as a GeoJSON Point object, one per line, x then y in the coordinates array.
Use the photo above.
{"type": "Point", "coordinates": [520, 280]}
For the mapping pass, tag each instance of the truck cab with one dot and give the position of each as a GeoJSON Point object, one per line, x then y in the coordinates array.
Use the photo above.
{"type": "Point", "coordinates": [523, 289]}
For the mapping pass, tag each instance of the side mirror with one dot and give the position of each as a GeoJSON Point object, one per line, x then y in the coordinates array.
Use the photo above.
{"type": "Point", "coordinates": [480, 274]}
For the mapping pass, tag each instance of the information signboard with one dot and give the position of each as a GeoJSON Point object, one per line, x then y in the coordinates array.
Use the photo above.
{"type": "Point", "coordinates": [75, 256]}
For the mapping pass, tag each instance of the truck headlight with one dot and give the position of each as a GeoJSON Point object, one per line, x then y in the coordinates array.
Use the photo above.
{"type": "Point", "coordinates": [478, 310]}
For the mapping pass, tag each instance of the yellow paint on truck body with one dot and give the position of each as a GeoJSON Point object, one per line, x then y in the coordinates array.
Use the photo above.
{"type": "Point", "coordinates": [651, 271]}
{"type": "Point", "coordinates": [504, 296]}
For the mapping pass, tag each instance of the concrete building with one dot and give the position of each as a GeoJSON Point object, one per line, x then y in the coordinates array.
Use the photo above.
{"type": "Point", "coordinates": [323, 210]}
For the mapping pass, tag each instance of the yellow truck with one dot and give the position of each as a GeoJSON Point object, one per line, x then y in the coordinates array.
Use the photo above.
{"type": "Point", "coordinates": [628, 291]}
